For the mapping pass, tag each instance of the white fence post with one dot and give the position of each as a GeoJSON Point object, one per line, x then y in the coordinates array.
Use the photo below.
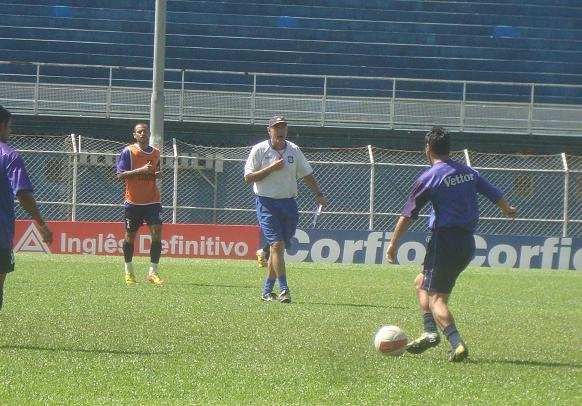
{"type": "Point", "coordinates": [467, 157]}
{"type": "Point", "coordinates": [75, 174]}
{"type": "Point", "coordinates": [372, 187]}
{"type": "Point", "coordinates": [175, 191]}
{"type": "Point", "coordinates": [566, 197]}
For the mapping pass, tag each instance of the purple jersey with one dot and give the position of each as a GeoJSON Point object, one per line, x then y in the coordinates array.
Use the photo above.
{"type": "Point", "coordinates": [452, 189]}
{"type": "Point", "coordinates": [13, 179]}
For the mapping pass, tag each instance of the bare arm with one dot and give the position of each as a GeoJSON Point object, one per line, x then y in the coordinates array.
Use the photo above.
{"type": "Point", "coordinates": [400, 229]}
{"type": "Point", "coordinates": [263, 173]}
{"type": "Point", "coordinates": [506, 208]}
{"type": "Point", "coordinates": [28, 203]}
{"type": "Point", "coordinates": [315, 189]}
{"type": "Point", "coordinates": [147, 169]}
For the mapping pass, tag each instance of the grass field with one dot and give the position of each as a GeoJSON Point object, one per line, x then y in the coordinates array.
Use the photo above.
{"type": "Point", "coordinates": [72, 332]}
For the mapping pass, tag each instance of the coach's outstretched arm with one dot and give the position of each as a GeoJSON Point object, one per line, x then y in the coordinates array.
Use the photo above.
{"type": "Point", "coordinates": [315, 189]}
{"type": "Point", "coordinates": [28, 203]}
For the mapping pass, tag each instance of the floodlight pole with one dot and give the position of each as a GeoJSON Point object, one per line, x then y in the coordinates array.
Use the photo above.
{"type": "Point", "coordinates": [158, 102]}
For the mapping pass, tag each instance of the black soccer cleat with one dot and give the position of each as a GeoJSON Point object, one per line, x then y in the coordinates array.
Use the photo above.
{"type": "Point", "coordinates": [285, 296]}
{"type": "Point", "coordinates": [423, 343]}
{"type": "Point", "coordinates": [268, 297]}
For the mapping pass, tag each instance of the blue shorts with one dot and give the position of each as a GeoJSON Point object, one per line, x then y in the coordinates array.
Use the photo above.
{"type": "Point", "coordinates": [448, 253]}
{"type": "Point", "coordinates": [277, 218]}
{"type": "Point", "coordinates": [136, 215]}
{"type": "Point", "coordinates": [6, 260]}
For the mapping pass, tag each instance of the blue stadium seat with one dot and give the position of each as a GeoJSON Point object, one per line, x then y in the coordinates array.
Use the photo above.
{"type": "Point", "coordinates": [508, 40]}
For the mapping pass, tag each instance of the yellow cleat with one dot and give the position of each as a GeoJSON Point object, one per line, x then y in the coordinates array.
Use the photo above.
{"type": "Point", "coordinates": [155, 279]}
{"type": "Point", "coordinates": [261, 260]}
{"type": "Point", "coordinates": [459, 354]}
{"type": "Point", "coordinates": [130, 279]}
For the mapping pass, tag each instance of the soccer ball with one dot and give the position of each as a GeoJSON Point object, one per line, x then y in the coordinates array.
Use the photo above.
{"type": "Point", "coordinates": [390, 340]}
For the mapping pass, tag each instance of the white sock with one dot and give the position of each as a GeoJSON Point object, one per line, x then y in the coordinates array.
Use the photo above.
{"type": "Point", "coordinates": [153, 268]}
{"type": "Point", "coordinates": [129, 267]}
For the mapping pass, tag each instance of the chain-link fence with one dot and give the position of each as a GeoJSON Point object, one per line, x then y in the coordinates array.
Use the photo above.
{"type": "Point", "coordinates": [74, 179]}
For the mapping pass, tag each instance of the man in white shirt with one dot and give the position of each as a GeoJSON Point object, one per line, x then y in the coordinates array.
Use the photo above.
{"type": "Point", "coordinates": [273, 166]}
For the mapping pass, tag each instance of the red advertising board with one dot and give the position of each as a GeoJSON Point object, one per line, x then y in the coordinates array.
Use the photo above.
{"type": "Point", "coordinates": [178, 240]}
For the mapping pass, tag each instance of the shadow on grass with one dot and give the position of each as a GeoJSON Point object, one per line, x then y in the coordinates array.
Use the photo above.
{"type": "Point", "coordinates": [353, 305]}
{"type": "Point", "coordinates": [530, 363]}
{"type": "Point", "coordinates": [218, 285]}
{"type": "Point", "coordinates": [81, 350]}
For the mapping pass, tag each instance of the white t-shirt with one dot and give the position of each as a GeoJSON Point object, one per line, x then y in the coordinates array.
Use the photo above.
{"type": "Point", "coordinates": [282, 183]}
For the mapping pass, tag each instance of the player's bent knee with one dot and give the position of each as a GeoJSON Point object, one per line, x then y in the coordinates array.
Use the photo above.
{"type": "Point", "coordinates": [438, 298]}
{"type": "Point", "coordinates": [418, 281]}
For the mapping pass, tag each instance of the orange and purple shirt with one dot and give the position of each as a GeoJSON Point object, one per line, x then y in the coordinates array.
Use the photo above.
{"type": "Point", "coordinates": [141, 189]}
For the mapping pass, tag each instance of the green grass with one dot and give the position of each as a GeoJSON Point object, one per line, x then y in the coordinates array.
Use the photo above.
{"type": "Point", "coordinates": [72, 332]}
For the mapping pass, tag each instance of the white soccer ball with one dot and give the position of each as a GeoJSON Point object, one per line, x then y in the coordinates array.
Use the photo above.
{"type": "Point", "coordinates": [390, 340]}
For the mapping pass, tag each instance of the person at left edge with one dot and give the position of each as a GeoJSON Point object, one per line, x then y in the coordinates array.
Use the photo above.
{"type": "Point", "coordinates": [14, 182]}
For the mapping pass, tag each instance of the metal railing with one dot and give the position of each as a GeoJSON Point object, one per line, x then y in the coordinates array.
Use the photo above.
{"type": "Point", "coordinates": [74, 179]}
{"type": "Point", "coordinates": [308, 100]}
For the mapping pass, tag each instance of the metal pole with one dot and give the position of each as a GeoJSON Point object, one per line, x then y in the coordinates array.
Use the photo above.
{"type": "Point", "coordinates": [75, 173]}
{"type": "Point", "coordinates": [157, 103]}
{"type": "Point", "coordinates": [254, 99]}
{"type": "Point", "coordinates": [372, 187]}
{"type": "Point", "coordinates": [530, 110]}
{"type": "Point", "coordinates": [109, 98]}
{"type": "Point", "coordinates": [215, 202]}
{"type": "Point", "coordinates": [175, 192]}
{"type": "Point", "coordinates": [323, 101]}
{"type": "Point", "coordinates": [566, 197]}
{"type": "Point", "coordinates": [463, 106]}
{"type": "Point", "coordinates": [182, 96]}
{"type": "Point", "coordinates": [392, 107]}
{"type": "Point", "coordinates": [36, 89]}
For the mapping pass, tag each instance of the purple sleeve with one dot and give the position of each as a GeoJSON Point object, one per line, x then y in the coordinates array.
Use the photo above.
{"type": "Point", "coordinates": [419, 196]}
{"type": "Point", "coordinates": [18, 176]}
{"type": "Point", "coordinates": [124, 161]}
{"type": "Point", "coordinates": [488, 190]}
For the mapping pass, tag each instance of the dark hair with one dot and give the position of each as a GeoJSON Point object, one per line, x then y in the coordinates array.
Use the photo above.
{"type": "Point", "coordinates": [5, 115]}
{"type": "Point", "coordinates": [438, 141]}
{"type": "Point", "coordinates": [146, 124]}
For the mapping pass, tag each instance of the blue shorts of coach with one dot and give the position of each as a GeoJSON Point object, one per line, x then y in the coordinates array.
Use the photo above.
{"type": "Point", "coordinates": [277, 218]}
{"type": "Point", "coordinates": [448, 253]}
{"type": "Point", "coordinates": [136, 215]}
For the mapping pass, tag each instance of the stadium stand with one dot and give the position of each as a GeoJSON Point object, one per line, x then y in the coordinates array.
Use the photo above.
{"type": "Point", "coordinates": [512, 41]}
{"type": "Point", "coordinates": [498, 40]}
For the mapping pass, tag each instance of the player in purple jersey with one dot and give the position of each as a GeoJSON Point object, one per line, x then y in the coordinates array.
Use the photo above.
{"type": "Point", "coordinates": [14, 182]}
{"type": "Point", "coordinates": [451, 188]}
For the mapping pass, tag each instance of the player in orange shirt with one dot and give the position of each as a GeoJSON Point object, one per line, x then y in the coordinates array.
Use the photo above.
{"type": "Point", "coordinates": [139, 166]}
